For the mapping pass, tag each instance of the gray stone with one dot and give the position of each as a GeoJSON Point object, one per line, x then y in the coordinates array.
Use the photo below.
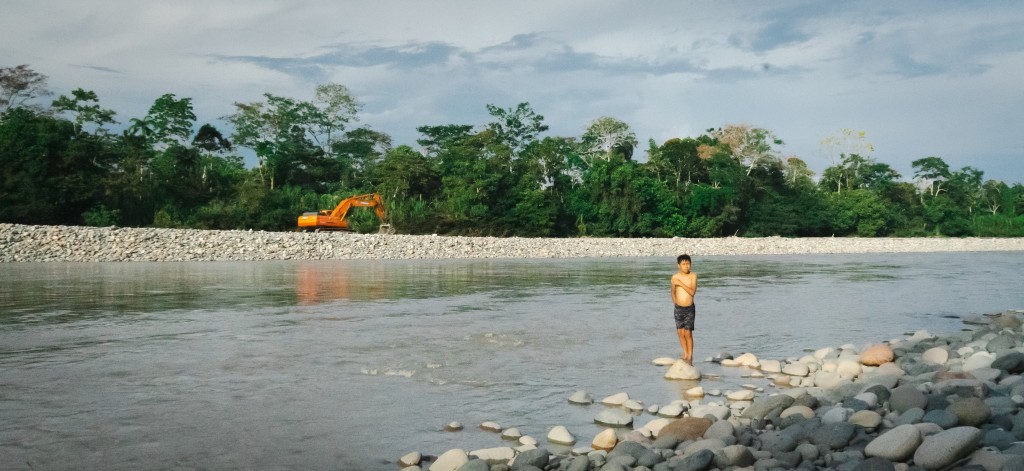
{"type": "Point", "coordinates": [911, 416]}
{"type": "Point", "coordinates": [720, 430]}
{"type": "Point", "coordinates": [874, 464]}
{"type": "Point", "coordinates": [737, 456]}
{"type": "Point", "coordinates": [475, 465]}
{"type": "Point", "coordinates": [1001, 405]}
{"type": "Point", "coordinates": [579, 463]}
{"type": "Point", "coordinates": [777, 441]}
{"type": "Point", "coordinates": [942, 418]}
{"type": "Point", "coordinates": [763, 406]}
{"type": "Point", "coordinates": [649, 459]}
{"type": "Point", "coordinates": [944, 448]}
{"type": "Point", "coordinates": [905, 398]}
{"type": "Point", "coordinates": [897, 444]}
{"type": "Point", "coordinates": [1012, 363]}
{"type": "Point", "coordinates": [614, 418]}
{"type": "Point", "coordinates": [971, 411]}
{"type": "Point", "coordinates": [627, 448]}
{"type": "Point", "coordinates": [1001, 342]}
{"type": "Point", "coordinates": [696, 462]}
{"type": "Point", "coordinates": [538, 457]}
{"type": "Point", "coordinates": [998, 438]}
{"type": "Point", "coordinates": [962, 387]}
{"type": "Point", "coordinates": [834, 435]}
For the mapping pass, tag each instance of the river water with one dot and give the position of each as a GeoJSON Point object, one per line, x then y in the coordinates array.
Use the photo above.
{"type": "Point", "coordinates": [352, 364]}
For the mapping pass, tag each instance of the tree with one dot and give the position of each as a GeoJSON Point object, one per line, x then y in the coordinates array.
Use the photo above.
{"type": "Point", "coordinates": [845, 142]}
{"type": "Point", "coordinates": [603, 137]}
{"type": "Point", "coordinates": [516, 127]}
{"type": "Point", "coordinates": [931, 172]}
{"type": "Point", "coordinates": [749, 145]}
{"type": "Point", "coordinates": [291, 137]}
{"type": "Point", "coordinates": [170, 120]}
{"type": "Point", "coordinates": [18, 86]}
{"type": "Point", "coordinates": [84, 106]}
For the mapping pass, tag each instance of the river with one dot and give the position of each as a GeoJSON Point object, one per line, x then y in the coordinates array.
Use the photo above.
{"type": "Point", "coordinates": [352, 364]}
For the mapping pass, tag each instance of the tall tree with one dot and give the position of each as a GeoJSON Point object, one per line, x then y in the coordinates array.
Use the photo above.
{"type": "Point", "coordinates": [20, 85]}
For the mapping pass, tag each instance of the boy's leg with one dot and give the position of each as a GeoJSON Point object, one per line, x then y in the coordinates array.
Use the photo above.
{"type": "Point", "coordinates": [682, 340]}
{"type": "Point", "coordinates": [688, 345]}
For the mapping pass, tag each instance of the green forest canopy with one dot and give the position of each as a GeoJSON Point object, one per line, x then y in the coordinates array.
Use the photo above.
{"type": "Point", "coordinates": [61, 164]}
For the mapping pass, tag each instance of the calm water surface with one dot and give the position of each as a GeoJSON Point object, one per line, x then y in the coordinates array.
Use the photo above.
{"type": "Point", "coordinates": [352, 364]}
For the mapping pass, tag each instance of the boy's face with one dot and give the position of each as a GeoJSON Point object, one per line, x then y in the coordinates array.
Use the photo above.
{"type": "Point", "coordinates": [684, 266]}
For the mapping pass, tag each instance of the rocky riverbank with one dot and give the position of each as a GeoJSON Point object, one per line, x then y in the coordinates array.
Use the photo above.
{"type": "Point", "coordinates": [21, 243]}
{"type": "Point", "coordinates": [919, 402]}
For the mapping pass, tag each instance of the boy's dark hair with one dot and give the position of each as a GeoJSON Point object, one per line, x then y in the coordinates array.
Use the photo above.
{"type": "Point", "coordinates": [682, 257]}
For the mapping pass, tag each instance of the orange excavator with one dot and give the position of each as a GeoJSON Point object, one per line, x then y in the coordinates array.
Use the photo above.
{"type": "Point", "coordinates": [334, 220]}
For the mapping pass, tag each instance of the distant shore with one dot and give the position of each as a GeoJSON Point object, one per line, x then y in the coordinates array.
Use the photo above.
{"type": "Point", "coordinates": [24, 243]}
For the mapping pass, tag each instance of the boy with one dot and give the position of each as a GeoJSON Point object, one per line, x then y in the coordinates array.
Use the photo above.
{"type": "Point", "coordinates": [684, 286]}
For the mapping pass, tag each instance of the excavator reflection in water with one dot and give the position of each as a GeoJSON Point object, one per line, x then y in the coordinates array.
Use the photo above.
{"type": "Point", "coordinates": [317, 283]}
{"type": "Point", "coordinates": [335, 220]}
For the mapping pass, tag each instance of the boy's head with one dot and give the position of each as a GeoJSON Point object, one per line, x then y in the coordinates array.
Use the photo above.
{"type": "Point", "coordinates": [682, 257]}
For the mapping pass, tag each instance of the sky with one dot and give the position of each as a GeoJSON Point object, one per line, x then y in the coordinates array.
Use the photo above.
{"type": "Point", "coordinates": [919, 78]}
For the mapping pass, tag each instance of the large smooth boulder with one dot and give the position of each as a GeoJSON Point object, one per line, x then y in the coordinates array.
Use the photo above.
{"type": "Point", "coordinates": [897, 444]}
{"type": "Point", "coordinates": [979, 360]}
{"type": "Point", "coordinates": [876, 355]}
{"type": "Point", "coordinates": [682, 370]}
{"type": "Point", "coordinates": [686, 428]}
{"type": "Point", "coordinates": [944, 448]}
{"type": "Point", "coordinates": [450, 460]}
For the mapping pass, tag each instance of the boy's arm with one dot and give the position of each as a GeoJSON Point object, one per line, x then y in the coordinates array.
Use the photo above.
{"type": "Point", "coordinates": [691, 290]}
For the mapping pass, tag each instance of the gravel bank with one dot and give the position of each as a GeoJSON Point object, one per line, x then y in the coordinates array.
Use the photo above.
{"type": "Point", "coordinates": [21, 243]}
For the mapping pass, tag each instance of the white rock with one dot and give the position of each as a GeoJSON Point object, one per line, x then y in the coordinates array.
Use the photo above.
{"type": "Point", "coordinates": [490, 427]}
{"type": "Point", "coordinates": [633, 405]}
{"type": "Point", "coordinates": [682, 371]}
{"type": "Point", "coordinates": [747, 359]}
{"type": "Point", "coordinates": [615, 399]}
{"type": "Point", "coordinates": [581, 397]}
{"type": "Point", "coordinates": [979, 360]}
{"type": "Point", "coordinates": [796, 369]}
{"type": "Point", "coordinates": [655, 425]}
{"type": "Point", "coordinates": [694, 392]}
{"type": "Point", "coordinates": [605, 440]}
{"type": "Point", "coordinates": [453, 427]}
{"type": "Point", "coordinates": [511, 433]}
{"type": "Point", "coordinates": [664, 361]}
{"type": "Point", "coordinates": [653, 409]}
{"type": "Point", "coordinates": [450, 460]}
{"type": "Point", "coordinates": [823, 352]}
{"type": "Point", "coordinates": [410, 459]}
{"type": "Point", "coordinates": [528, 440]}
{"type": "Point", "coordinates": [560, 435]}
{"type": "Point", "coordinates": [771, 366]}
{"type": "Point", "coordinates": [614, 417]}
{"type": "Point", "coordinates": [935, 356]}
{"type": "Point", "coordinates": [720, 412]}
{"type": "Point", "coordinates": [742, 395]}
{"type": "Point", "coordinates": [714, 392]}
{"type": "Point", "coordinates": [671, 410]}
{"type": "Point", "coordinates": [493, 456]}
{"type": "Point", "coordinates": [849, 368]}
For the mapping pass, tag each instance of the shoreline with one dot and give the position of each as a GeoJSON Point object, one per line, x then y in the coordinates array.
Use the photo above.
{"type": "Point", "coordinates": [919, 401]}
{"type": "Point", "coordinates": [27, 243]}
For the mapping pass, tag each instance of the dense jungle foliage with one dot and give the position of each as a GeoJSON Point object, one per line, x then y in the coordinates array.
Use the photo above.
{"type": "Point", "coordinates": [61, 164]}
